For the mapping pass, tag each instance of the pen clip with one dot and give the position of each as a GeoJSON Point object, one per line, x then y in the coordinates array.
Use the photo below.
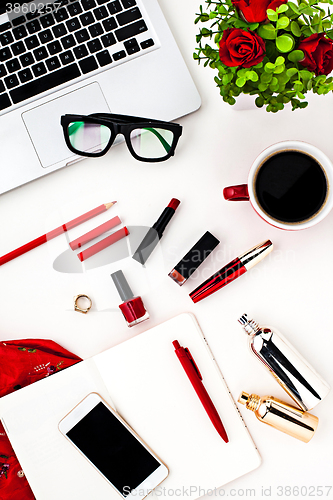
{"type": "Point", "coordinates": [195, 366]}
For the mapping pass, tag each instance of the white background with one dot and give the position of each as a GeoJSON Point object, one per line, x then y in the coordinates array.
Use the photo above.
{"type": "Point", "coordinates": [291, 289]}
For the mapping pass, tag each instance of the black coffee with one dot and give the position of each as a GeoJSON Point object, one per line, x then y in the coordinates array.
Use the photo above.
{"type": "Point", "coordinates": [291, 186]}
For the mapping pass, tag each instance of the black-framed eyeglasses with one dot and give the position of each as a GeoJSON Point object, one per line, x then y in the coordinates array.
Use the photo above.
{"type": "Point", "coordinates": [147, 140]}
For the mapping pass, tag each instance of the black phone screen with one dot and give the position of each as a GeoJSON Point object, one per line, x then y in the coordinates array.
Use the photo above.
{"type": "Point", "coordinates": [106, 442]}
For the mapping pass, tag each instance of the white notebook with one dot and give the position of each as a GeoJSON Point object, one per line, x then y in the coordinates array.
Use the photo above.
{"type": "Point", "coordinates": [144, 381]}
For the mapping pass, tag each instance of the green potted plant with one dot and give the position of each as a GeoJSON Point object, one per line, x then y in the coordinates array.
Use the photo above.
{"type": "Point", "coordinates": [275, 50]}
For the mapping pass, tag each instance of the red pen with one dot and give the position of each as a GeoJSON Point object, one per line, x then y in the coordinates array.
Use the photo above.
{"type": "Point", "coordinates": [193, 373]}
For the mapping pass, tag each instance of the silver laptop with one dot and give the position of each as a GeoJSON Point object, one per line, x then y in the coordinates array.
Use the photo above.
{"type": "Point", "coordinates": [81, 57]}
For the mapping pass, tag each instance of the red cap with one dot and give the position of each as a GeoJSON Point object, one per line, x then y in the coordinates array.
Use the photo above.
{"type": "Point", "coordinates": [174, 203]}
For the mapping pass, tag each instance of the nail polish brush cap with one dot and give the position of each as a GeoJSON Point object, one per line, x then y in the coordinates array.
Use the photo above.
{"type": "Point", "coordinates": [122, 286]}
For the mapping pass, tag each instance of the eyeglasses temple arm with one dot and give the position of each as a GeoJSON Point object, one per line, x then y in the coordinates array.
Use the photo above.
{"type": "Point", "coordinates": [165, 144]}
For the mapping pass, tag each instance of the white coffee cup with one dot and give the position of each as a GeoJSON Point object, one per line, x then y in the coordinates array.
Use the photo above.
{"type": "Point", "coordinates": [246, 192]}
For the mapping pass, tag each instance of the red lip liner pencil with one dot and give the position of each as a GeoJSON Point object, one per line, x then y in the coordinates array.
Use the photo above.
{"type": "Point", "coordinates": [56, 232]}
{"type": "Point", "coordinates": [91, 235]}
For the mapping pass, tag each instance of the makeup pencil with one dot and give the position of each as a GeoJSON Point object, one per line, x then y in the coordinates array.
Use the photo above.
{"type": "Point", "coordinates": [56, 232]}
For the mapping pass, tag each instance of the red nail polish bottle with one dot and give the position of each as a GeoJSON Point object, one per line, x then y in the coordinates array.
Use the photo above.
{"type": "Point", "coordinates": [132, 308]}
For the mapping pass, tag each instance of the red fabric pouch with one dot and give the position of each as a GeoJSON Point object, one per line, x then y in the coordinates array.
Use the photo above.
{"type": "Point", "coordinates": [23, 362]}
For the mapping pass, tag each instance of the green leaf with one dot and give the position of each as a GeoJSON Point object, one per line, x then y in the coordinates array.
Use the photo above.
{"type": "Point", "coordinates": [242, 72]}
{"type": "Point", "coordinates": [260, 101]}
{"type": "Point", "coordinates": [240, 24]}
{"type": "Point", "coordinates": [253, 26]}
{"type": "Point", "coordinates": [283, 78]}
{"type": "Point", "coordinates": [285, 43]}
{"type": "Point", "coordinates": [266, 77]}
{"type": "Point", "coordinates": [279, 60]}
{"type": "Point", "coordinates": [262, 87]}
{"type": "Point", "coordinates": [227, 78]}
{"type": "Point", "coordinates": [298, 85]}
{"type": "Point", "coordinates": [279, 69]}
{"type": "Point", "coordinates": [305, 9]}
{"type": "Point", "coordinates": [283, 22]}
{"type": "Point", "coordinates": [296, 55]}
{"type": "Point", "coordinates": [272, 15]}
{"type": "Point", "coordinates": [274, 87]}
{"type": "Point", "coordinates": [240, 82]}
{"type": "Point", "coordinates": [267, 31]}
{"type": "Point", "coordinates": [291, 72]}
{"type": "Point", "coordinates": [252, 75]}
{"type": "Point", "coordinates": [269, 67]}
{"type": "Point", "coordinates": [295, 29]}
{"type": "Point", "coordinates": [282, 8]}
{"type": "Point", "coordinates": [293, 7]}
{"type": "Point", "coordinates": [306, 75]}
{"type": "Point", "coordinates": [21, 348]}
{"type": "Point", "coordinates": [327, 24]}
{"type": "Point", "coordinates": [222, 10]}
{"type": "Point", "coordinates": [205, 31]}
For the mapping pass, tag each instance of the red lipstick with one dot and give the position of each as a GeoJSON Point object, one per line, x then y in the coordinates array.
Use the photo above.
{"type": "Point", "coordinates": [233, 270]}
{"type": "Point", "coordinates": [155, 233]}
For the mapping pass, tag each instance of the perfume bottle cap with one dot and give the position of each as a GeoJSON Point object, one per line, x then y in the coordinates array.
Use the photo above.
{"type": "Point", "coordinates": [251, 401]}
{"type": "Point", "coordinates": [243, 398]}
{"type": "Point", "coordinates": [249, 325]}
{"type": "Point", "coordinates": [194, 258]}
{"type": "Point", "coordinates": [122, 286]}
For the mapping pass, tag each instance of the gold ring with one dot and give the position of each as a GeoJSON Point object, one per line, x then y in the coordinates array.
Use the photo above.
{"type": "Point", "coordinates": [79, 309]}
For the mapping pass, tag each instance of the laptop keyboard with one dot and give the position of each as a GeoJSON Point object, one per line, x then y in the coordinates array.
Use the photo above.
{"type": "Point", "coordinates": [39, 52]}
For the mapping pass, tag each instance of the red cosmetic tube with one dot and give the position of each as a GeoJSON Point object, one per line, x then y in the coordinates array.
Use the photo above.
{"type": "Point", "coordinates": [155, 233]}
{"type": "Point", "coordinates": [91, 235]}
{"type": "Point", "coordinates": [108, 241]}
{"type": "Point", "coordinates": [231, 271]}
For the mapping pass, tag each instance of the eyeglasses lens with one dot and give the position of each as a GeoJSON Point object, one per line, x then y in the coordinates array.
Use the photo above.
{"type": "Point", "coordinates": [151, 142]}
{"type": "Point", "coordinates": [88, 137]}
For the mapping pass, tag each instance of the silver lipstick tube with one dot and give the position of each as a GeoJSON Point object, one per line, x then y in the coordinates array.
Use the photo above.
{"type": "Point", "coordinates": [288, 367]}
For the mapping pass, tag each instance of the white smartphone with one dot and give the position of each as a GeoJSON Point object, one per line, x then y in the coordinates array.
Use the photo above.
{"type": "Point", "coordinates": [113, 448]}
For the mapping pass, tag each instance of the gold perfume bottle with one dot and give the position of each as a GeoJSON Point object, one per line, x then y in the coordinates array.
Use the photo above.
{"type": "Point", "coordinates": [285, 418]}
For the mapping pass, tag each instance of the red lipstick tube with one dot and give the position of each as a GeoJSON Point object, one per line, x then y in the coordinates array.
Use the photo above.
{"type": "Point", "coordinates": [155, 233]}
{"type": "Point", "coordinates": [231, 271]}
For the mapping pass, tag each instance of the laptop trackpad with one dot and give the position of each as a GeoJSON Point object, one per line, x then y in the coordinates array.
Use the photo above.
{"type": "Point", "coordinates": [43, 122]}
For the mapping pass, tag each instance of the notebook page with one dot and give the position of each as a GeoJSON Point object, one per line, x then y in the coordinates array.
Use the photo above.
{"type": "Point", "coordinates": [153, 394]}
{"type": "Point", "coordinates": [54, 468]}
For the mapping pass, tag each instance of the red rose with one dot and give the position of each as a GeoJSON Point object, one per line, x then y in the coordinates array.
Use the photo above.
{"type": "Point", "coordinates": [318, 52]}
{"type": "Point", "coordinates": [254, 11]}
{"type": "Point", "coordinates": [241, 48]}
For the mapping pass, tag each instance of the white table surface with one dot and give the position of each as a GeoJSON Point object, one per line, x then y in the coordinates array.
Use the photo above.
{"type": "Point", "coordinates": [291, 289]}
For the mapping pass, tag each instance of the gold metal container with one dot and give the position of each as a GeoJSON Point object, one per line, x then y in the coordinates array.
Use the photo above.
{"type": "Point", "coordinates": [297, 423]}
